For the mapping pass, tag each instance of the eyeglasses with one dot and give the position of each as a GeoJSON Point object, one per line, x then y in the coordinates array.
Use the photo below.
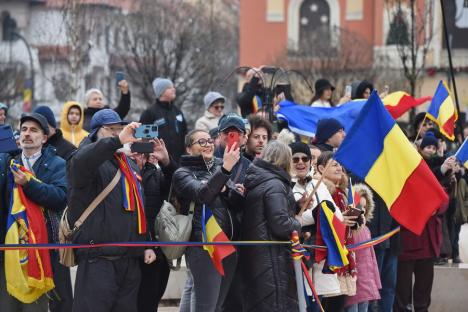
{"type": "Point", "coordinates": [218, 107]}
{"type": "Point", "coordinates": [203, 142]}
{"type": "Point", "coordinates": [113, 129]}
{"type": "Point", "coordinates": [304, 159]}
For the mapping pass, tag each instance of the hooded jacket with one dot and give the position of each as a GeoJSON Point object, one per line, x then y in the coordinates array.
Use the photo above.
{"type": "Point", "coordinates": [368, 277]}
{"type": "Point", "coordinates": [89, 171]}
{"type": "Point", "coordinates": [72, 133]}
{"type": "Point", "coordinates": [268, 273]}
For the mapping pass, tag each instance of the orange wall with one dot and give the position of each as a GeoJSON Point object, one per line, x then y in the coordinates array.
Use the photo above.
{"type": "Point", "coordinates": [260, 41]}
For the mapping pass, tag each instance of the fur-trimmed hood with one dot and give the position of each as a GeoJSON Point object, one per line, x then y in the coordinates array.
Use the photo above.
{"type": "Point", "coordinates": [364, 191]}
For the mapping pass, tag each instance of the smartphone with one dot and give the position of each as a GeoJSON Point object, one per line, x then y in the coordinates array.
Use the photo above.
{"type": "Point", "coordinates": [119, 76]}
{"type": "Point", "coordinates": [353, 212]}
{"type": "Point", "coordinates": [146, 132]}
{"type": "Point", "coordinates": [142, 147]}
{"type": "Point", "coordinates": [232, 137]}
{"type": "Point", "coordinates": [348, 90]}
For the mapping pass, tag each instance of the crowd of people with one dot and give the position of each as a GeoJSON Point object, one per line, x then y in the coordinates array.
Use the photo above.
{"type": "Point", "coordinates": [256, 188]}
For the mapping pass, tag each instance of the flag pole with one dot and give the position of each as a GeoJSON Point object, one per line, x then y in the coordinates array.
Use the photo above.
{"type": "Point", "coordinates": [452, 75]}
{"type": "Point", "coordinates": [459, 149]}
{"type": "Point", "coordinates": [311, 196]}
{"type": "Point", "coordinates": [420, 128]}
{"type": "Point", "coordinates": [299, 277]}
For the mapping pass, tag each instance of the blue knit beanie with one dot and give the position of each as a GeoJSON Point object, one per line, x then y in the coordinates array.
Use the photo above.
{"type": "Point", "coordinates": [429, 139]}
{"type": "Point", "coordinates": [326, 128]}
{"type": "Point", "coordinates": [48, 114]}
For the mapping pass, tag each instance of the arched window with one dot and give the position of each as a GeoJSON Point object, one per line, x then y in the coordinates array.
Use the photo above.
{"type": "Point", "coordinates": [311, 18]}
{"type": "Point", "coordinates": [314, 23]}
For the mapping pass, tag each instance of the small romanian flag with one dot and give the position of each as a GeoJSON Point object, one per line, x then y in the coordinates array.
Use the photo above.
{"type": "Point", "coordinates": [391, 166]}
{"type": "Point", "coordinates": [212, 232]}
{"type": "Point", "coordinates": [398, 103]}
{"type": "Point", "coordinates": [443, 112]}
{"type": "Point", "coordinates": [462, 154]}
{"type": "Point", "coordinates": [331, 232]}
{"type": "Point", "coordinates": [256, 103]}
{"type": "Point", "coordinates": [353, 197]}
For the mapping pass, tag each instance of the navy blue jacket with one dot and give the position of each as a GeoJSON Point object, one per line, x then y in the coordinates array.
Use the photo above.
{"type": "Point", "coordinates": [50, 193]}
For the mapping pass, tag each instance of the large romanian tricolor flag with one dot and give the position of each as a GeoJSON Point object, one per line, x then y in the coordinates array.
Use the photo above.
{"type": "Point", "coordinates": [462, 154]}
{"type": "Point", "coordinates": [443, 112]}
{"type": "Point", "coordinates": [377, 151]}
{"type": "Point", "coordinates": [399, 102]}
{"type": "Point", "coordinates": [28, 272]}
{"type": "Point", "coordinates": [212, 232]}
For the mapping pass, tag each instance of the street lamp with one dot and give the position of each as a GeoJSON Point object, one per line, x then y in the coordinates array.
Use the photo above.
{"type": "Point", "coordinates": [10, 34]}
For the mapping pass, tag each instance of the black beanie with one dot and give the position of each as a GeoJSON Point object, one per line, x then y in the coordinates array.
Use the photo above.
{"type": "Point", "coordinates": [326, 128]}
{"type": "Point", "coordinates": [300, 147]}
{"type": "Point", "coordinates": [429, 139]}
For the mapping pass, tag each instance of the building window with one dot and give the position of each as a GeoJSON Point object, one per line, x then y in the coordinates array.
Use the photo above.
{"type": "Point", "coordinates": [314, 23]}
{"type": "Point", "coordinates": [311, 18]}
{"type": "Point", "coordinates": [275, 11]}
{"type": "Point", "coordinates": [398, 32]}
{"type": "Point", "coordinates": [354, 10]}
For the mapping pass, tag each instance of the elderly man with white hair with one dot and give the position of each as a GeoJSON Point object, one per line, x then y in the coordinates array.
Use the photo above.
{"type": "Point", "coordinates": [94, 100]}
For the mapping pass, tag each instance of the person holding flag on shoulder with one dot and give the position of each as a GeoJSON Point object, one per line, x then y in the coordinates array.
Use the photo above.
{"type": "Point", "coordinates": [33, 198]}
{"type": "Point", "coordinates": [107, 277]}
{"type": "Point", "coordinates": [201, 188]}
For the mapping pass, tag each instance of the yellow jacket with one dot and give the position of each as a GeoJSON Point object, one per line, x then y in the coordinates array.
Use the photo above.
{"type": "Point", "coordinates": [74, 134]}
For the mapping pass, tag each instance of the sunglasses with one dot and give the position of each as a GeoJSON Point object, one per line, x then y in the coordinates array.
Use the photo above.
{"type": "Point", "coordinates": [218, 107]}
{"type": "Point", "coordinates": [203, 142]}
{"type": "Point", "coordinates": [297, 159]}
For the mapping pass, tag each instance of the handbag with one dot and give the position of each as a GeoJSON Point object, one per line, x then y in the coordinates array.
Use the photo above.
{"type": "Point", "coordinates": [67, 255]}
{"type": "Point", "coordinates": [170, 226]}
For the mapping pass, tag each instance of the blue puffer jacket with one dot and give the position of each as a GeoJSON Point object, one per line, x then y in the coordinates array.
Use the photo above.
{"type": "Point", "coordinates": [50, 193]}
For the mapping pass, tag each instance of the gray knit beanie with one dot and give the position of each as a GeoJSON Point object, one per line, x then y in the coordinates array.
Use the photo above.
{"type": "Point", "coordinates": [160, 85]}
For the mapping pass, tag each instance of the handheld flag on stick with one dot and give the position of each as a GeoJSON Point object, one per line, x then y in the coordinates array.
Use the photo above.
{"type": "Point", "coordinates": [443, 112]}
{"type": "Point", "coordinates": [391, 166]}
{"type": "Point", "coordinates": [353, 197]}
{"type": "Point", "coordinates": [462, 154]}
{"type": "Point", "coordinates": [398, 103]}
{"type": "Point", "coordinates": [28, 272]}
{"type": "Point", "coordinates": [331, 232]}
{"type": "Point", "coordinates": [212, 232]}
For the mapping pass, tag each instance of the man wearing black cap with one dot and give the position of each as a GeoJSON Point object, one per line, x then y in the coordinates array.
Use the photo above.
{"type": "Point", "coordinates": [329, 134]}
{"type": "Point", "coordinates": [48, 191]}
{"type": "Point", "coordinates": [55, 137]}
{"type": "Point", "coordinates": [108, 278]}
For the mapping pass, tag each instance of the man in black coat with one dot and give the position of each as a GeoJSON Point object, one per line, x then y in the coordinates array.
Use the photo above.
{"type": "Point", "coordinates": [90, 170]}
{"type": "Point", "coordinates": [169, 119]}
{"type": "Point", "coordinates": [64, 148]}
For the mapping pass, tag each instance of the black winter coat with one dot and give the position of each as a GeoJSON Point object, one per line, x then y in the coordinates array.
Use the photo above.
{"type": "Point", "coordinates": [90, 170]}
{"type": "Point", "coordinates": [268, 273]}
{"type": "Point", "coordinates": [193, 182]}
{"type": "Point", "coordinates": [156, 183]}
{"type": "Point", "coordinates": [171, 125]}
{"type": "Point", "coordinates": [245, 98]}
{"type": "Point", "coordinates": [64, 148]}
{"type": "Point", "coordinates": [122, 109]}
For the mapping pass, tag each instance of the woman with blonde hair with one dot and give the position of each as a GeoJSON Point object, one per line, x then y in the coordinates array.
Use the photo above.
{"type": "Point", "coordinates": [267, 271]}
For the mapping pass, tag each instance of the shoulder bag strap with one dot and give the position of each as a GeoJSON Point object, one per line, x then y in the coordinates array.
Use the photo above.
{"type": "Point", "coordinates": [98, 199]}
